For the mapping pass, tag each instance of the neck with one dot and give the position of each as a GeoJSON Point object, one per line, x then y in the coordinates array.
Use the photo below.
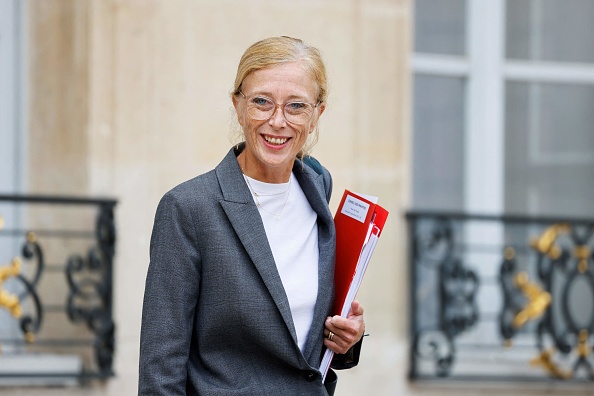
{"type": "Point", "coordinates": [266, 174]}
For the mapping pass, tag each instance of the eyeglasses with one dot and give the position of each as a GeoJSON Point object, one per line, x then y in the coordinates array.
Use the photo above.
{"type": "Point", "coordinates": [260, 108]}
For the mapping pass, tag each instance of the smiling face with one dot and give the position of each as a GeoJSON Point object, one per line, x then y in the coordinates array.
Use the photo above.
{"type": "Point", "coordinates": [273, 144]}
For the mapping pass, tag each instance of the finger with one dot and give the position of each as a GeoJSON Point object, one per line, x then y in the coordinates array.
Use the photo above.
{"type": "Point", "coordinates": [337, 337]}
{"type": "Point", "coordinates": [343, 338]}
{"type": "Point", "coordinates": [332, 338]}
{"type": "Point", "coordinates": [351, 324]}
{"type": "Point", "coordinates": [349, 330]}
{"type": "Point", "coordinates": [356, 309]}
{"type": "Point", "coordinates": [336, 345]}
{"type": "Point", "coordinates": [337, 323]}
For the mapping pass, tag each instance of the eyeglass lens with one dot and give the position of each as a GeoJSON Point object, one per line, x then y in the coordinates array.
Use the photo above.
{"type": "Point", "coordinates": [295, 112]}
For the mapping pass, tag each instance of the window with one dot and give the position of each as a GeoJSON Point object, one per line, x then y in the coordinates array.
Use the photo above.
{"type": "Point", "coordinates": [504, 106]}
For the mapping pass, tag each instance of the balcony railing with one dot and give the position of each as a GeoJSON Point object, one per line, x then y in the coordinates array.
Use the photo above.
{"type": "Point", "coordinates": [501, 297]}
{"type": "Point", "coordinates": [56, 275]}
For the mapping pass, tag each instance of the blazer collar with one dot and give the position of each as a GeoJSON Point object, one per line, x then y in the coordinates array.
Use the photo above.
{"type": "Point", "coordinates": [245, 219]}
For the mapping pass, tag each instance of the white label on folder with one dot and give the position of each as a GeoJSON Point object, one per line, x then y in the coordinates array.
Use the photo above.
{"type": "Point", "coordinates": [355, 208]}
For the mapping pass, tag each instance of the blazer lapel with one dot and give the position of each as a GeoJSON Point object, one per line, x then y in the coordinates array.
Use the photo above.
{"type": "Point", "coordinates": [313, 187]}
{"type": "Point", "coordinates": [245, 219]}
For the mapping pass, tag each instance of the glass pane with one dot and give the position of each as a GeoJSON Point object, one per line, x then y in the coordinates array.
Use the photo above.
{"type": "Point", "coordinates": [549, 149]}
{"type": "Point", "coordinates": [440, 26]}
{"type": "Point", "coordinates": [550, 30]}
{"type": "Point", "coordinates": [438, 143]}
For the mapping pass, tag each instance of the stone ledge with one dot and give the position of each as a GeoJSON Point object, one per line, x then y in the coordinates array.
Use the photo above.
{"type": "Point", "coordinates": [39, 370]}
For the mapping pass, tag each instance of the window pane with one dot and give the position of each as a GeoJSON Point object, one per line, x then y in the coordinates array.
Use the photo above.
{"type": "Point", "coordinates": [550, 30]}
{"type": "Point", "coordinates": [549, 149]}
{"type": "Point", "coordinates": [440, 26]}
{"type": "Point", "coordinates": [438, 143]}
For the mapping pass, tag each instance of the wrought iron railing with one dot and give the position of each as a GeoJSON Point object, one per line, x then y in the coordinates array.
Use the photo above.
{"type": "Point", "coordinates": [501, 297]}
{"type": "Point", "coordinates": [56, 275]}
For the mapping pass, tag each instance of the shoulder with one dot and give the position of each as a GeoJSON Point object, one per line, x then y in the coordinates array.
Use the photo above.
{"type": "Point", "coordinates": [195, 192]}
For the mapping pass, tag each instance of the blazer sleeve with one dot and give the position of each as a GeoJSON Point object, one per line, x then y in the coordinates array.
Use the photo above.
{"type": "Point", "coordinates": [170, 296]}
{"type": "Point", "coordinates": [349, 359]}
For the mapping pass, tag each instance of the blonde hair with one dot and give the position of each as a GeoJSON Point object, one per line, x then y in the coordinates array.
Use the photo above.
{"type": "Point", "coordinates": [273, 51]}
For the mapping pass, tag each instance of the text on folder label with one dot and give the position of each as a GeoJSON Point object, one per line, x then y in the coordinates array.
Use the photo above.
{"type": "Point", "coordinates": [355, 208]}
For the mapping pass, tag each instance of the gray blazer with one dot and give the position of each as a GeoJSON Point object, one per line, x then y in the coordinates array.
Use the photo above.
{"type": "Point", "coordinates": [216, 319]}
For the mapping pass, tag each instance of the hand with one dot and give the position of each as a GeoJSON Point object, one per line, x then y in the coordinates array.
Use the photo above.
{"type": "Point", "coordinates": [347, 331]}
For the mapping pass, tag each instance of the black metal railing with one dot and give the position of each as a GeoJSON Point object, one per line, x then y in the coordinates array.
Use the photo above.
{"type": "Point", "coordinates": [56, 281]}
{"type": "Point", "coordinates": [501, 297]}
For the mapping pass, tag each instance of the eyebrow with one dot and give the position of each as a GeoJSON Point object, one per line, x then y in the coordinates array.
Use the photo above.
{"type": "Point", "coordinates": [290, 98]}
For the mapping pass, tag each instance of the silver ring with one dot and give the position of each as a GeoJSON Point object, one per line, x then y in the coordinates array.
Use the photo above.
{"type": "Point", "coordinates": [330, 336]}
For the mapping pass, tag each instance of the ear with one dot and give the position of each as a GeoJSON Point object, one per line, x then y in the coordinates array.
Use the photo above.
{"type": "Point", "coordinates": [320, 109]}
{"type": "Point", "coordinates": [238, 109]}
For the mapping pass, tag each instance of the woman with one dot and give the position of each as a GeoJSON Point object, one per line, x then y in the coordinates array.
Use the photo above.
{"type": "Point", "coordinates": [240, 283]}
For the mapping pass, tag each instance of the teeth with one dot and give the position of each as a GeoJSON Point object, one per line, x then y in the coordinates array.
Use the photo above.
{"type": "Point", "coordinates": [272, 140]}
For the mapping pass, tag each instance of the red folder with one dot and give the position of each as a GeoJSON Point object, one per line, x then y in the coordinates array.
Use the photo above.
{"type": "Point", "coordinates": [351, 235]}
{"type": "Point", "coordinates": [359, 222]}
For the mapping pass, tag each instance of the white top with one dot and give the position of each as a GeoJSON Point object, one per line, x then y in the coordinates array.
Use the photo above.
{"type": "Point", "coordinates": [291, 228]}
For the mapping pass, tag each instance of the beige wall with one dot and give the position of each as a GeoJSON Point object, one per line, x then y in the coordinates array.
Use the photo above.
{"type": "Point", "coordinates": [130, 97]}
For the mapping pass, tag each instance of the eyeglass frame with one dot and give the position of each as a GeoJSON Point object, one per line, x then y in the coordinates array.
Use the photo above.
{"type": "Point", "coordinates": [276, 105]}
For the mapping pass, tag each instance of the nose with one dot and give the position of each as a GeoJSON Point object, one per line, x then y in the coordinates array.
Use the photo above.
{"type": "Point", "coordinates": [277, 119]}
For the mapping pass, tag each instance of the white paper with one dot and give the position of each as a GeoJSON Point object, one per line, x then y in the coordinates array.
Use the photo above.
{"type": "Point", "coordinates": [370, 198]}
{"type": "Point", "coordinates": [360, 269]}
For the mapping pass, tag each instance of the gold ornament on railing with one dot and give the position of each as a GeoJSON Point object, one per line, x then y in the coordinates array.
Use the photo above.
{"type": "Point", "coordinates": [538, 300]}
{"type": "Point", "coordinates": [545, 361]}
{"type": "Point", "coordinates": [582, 253]}
{"type": "Point", "coordinates": [1, 222]}
{"type": "Point", "coordinates": [583, 348]}
{"type": "Point", "coordinates": [546, 245]}
{"type": "Point", "coordinates": [9, 300]}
